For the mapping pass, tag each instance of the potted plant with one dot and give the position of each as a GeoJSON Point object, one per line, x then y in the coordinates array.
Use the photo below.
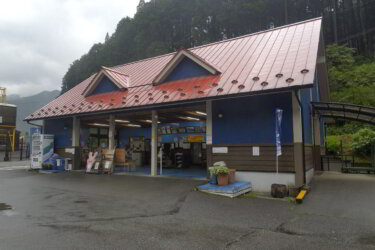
{"type": "Point", "coordinates": [44, 166]}
{"type": "Point", "coordinates": [213, 179]}
{"type": "Point", "coordinates": [222, 175]}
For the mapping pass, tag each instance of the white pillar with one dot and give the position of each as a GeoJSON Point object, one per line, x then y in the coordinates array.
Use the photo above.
{"type": "Point", "coordinates": [297, 141]}
{"type": "Point", "coordinates": [209, 122]}
{"type": "Point", "coordinates": [76, 131]}
{"type": "Point", "coordinates": [209, 133]}
{"type": "Point", "coordinates": [154, 143]}
{"type": "Point", "coordinates": [111, 132]}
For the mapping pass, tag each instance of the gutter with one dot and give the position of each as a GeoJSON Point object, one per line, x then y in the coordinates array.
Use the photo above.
{"type": "Point", "coordinates": [37, 125]}
{"type": "Point", "coordinates": [149, 107]}
{"type": "Point", "coordinates": [303, 137]}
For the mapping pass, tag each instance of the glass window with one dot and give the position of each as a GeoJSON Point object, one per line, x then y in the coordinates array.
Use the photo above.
{"type": "Point", "coordinates": [93, 142]}
{"type": "Point", "coordinates": [104, 142]}
{"type": "Point", "coordinates": [103, 131]}
{"type": "Point", "coordinates": [93, 131]}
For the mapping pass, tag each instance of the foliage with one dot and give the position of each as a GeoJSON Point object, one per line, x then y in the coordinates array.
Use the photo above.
{"type": "Point", "coordinates": [333, 145]}
{"type": "Point", "coordinates": [347, 71]}
{"type": "Point", "coordinates": [356, 94]}
{"type": "Point", "coordinates": [162, 26]}
{"type": "Point", "coordinates": [212, 171]}
{"type": "Point", "coordinates": [352, 80]}
{"type": "Point", "coordinates": [362, 141]}
{"type": "Point", "coordinates": [221, 170]}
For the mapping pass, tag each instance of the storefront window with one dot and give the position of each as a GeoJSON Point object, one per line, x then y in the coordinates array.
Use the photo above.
{"type": "Point", "coordinates": [93, 142]}
{"type": "Point", "coordinates": [103, 131]}
{"type": "Point", "coordinates": [104, 142]}
{"type": "Point", "coordinates": [93, 131]}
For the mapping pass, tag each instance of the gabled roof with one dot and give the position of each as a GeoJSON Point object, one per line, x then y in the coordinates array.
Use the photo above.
{"type": "Point", "coordinates": [176, 59]}
{"type": "Point", "coordinates": [121, 80]}
{"type": "Point", "coordinates": [273, 60]}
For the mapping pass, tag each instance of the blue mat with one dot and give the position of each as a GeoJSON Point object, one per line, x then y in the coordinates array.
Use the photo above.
{"type": "Point", "coordinates": [231, 190]}
{"type": "Point", "coordinates": [50, 171]}
{"type": "Point", "coordinates": [172, 172]}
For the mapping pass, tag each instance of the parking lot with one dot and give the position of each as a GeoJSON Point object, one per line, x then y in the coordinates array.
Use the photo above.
{"type": "Point", "coordinates": [74, 210]}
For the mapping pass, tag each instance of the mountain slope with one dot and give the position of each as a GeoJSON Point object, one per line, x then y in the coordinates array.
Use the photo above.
{"type": "Point", "coordinates": [27, 105]}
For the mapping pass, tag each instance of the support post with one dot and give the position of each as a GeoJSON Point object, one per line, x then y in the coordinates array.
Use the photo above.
{"type": "Point", "coordinates": [154, 143]}
{"type": "Point", "coordinates": [297, 141]}
{"type": "Point", "coordinates": [14, 140]}
{"type": "Point", "coordinates": [316, 148]}
{"type": "Point", "coordinates": [75, 131]}
{"type": "Point", "coordinates": [111, 132]}
{"type": "Point", "coordinates": [209, 133]}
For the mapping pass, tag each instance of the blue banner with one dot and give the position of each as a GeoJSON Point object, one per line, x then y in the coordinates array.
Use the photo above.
{"type": "Point", "coordinates": [279, 118]}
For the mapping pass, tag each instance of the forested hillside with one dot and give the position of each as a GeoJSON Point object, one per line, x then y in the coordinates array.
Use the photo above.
{"type": "Point", "coordinates": [162, 26]}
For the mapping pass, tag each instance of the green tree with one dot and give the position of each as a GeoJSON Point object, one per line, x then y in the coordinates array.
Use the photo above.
{"type": "Point", "coordinates": [362, 141]}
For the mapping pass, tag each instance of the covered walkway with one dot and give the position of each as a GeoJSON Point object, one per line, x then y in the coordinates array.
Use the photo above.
{"type": "Point", "coordinates": [344, 111]}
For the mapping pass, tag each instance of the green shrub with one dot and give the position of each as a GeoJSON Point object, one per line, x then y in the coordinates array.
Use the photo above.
{"type": "Point", "coordinates": [212, 171]}
{"type": "Point", "coordinates": [362, 141]}
{"type": "Point", "coordinates": [221, 170]}
{"type": "Point", "coordinates": [333, 144]}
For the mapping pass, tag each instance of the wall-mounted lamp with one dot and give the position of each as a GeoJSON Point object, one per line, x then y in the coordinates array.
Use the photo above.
{"type": "Point", "coordinates": [220, 115]}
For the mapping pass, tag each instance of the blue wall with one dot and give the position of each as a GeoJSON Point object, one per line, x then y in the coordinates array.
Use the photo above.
{"type": "Point", "coordinates": [186, 69]}
{"type": "Point", "coordinates": [105, 86]}
{"type": "Point", "coordinates": [62, 129]}
{"type": "Point", "coordinates": [252, 119]}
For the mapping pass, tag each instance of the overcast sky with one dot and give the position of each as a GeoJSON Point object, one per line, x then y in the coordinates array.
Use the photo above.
{"type": "Point", "coordinates": [39, 39]}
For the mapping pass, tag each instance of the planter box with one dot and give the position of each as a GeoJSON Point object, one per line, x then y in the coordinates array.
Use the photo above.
{"type": "Point", "coordinates": [223, 180]}
{"type": "Point", "coordinates": [232, 176]}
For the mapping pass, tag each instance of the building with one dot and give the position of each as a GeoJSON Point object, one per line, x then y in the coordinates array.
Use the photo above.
{"type": "Point", "coordinates": [8, 134]}
{"type": "Point", "coordinates": [210, 103]}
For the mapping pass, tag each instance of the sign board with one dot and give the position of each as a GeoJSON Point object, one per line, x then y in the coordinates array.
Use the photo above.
{"type": "Point", "coordinates": [196, 138]}
{"type": "Point", "coordinates": [70, 150]}
{"type": "Point", "coordinates": [35, 131]}
{"type": "Point", "coordinates": [256, 151]}
{"type": "Point", "coordinates": [220, 150]}
{"type": "Point", "coordinates": [209, 139]}
{"type": "Point", "coordinates": [1, 119]}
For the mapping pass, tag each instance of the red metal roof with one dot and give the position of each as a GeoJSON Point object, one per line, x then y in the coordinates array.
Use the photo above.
{"type": "Point", "coordinates": [270, 60]}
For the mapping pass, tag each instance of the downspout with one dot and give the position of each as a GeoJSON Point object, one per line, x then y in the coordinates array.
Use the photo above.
{"type": "Point", "coordinates": [303, 137]}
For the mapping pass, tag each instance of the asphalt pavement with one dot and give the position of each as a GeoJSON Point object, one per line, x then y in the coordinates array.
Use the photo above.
{"type": "Point", "coordinates": [80, 211]}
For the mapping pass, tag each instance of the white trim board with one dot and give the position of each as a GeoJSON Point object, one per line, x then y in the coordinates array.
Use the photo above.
{"type": "Point", "coordinates": [261, 182]}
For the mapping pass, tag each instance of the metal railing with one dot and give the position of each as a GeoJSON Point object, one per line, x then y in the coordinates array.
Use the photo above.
{"type": "Point", "coordinates": [22, 153]}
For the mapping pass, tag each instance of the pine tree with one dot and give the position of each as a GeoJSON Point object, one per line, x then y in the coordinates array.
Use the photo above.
{"type": "Point", "coordinates": [140, 4]}
{"type": "Point", "coordinates": [106, 38]}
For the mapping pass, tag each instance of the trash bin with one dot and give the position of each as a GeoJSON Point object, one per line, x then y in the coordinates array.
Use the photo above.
{"type": "Point", "coordinates": [60, 164]}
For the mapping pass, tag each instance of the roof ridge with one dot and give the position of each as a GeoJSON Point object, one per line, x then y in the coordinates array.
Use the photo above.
{"type": "Point", "coordinates": [145, 59]}
{"type": "Point", "coordinates": [257, 33]}
{"type": "Point", "coordinates": [226, 40]}
{"type": "Point", "coordinates": [115, 71]}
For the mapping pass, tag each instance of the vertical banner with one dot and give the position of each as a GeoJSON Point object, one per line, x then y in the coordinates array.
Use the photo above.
{"type": "Point", "coordinates": [279, 117]}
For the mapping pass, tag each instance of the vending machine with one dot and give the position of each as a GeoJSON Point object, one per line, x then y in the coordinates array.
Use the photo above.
{"type": "Point", "coordinates": [41, 149]}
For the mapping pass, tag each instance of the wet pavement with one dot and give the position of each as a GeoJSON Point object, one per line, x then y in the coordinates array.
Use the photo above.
{"type": "Point", "coordinates": [74, 211]}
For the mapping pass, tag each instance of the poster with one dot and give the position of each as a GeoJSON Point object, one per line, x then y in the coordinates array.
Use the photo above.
{"type": "Point", "coordinates": [196, 138]}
